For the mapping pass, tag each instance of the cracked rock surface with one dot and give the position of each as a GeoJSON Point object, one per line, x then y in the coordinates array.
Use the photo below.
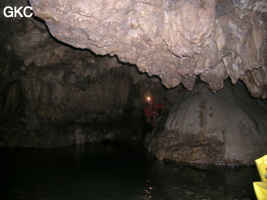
{"type": "Point", "coordinates": [176, 40]}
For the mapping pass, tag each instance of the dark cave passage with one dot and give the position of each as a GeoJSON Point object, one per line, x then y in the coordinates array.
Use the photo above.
{"type": "Point", "coordinates": [122, 101]}
{"type": "Point", "coordinates": [40, 105]}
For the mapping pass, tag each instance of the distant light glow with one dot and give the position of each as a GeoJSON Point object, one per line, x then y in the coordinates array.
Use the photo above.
{"type": "Point", "coordinates": [148, 99]}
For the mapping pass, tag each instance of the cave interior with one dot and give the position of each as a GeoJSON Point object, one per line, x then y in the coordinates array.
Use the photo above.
{"type": "Point", "coordinates": [184, 81]}
{"type": "Point", "coordinates": [56, 91]}
{"type": "Point", "coordinates": [64, 83]}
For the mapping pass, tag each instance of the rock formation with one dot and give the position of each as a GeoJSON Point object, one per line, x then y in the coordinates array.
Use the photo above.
{"type": "Point", "coordinates": [62, 90]}
{"type": "Point", "coordinates": [52, 94]}
{"type": "Point", "coordinates": [226, 128]}
{"type": "Point", "coordinates": [175, 40]}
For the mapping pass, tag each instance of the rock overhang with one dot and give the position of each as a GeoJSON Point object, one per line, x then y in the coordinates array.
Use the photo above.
{"type": "Point", "coordinates": [175, 40]}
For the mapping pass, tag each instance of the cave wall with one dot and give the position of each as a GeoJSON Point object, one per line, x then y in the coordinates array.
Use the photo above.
{"type": "Point", "coordinates": [226, 128]}
{"type": "Point", "coordinates": [67, 108]}
{"type": "Point", "coordinates": [66, 104]}
{"type": "Point", "coordinates": [52, 94]}
{"type": "Point", "coordinates": [175, 40]}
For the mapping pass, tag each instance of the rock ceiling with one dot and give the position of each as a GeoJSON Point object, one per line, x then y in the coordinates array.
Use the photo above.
{"type": "Point", "coordinates": [176, 40]}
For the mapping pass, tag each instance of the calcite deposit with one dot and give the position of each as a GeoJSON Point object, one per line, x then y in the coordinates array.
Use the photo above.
{"type": "Point", "coordinates": [175, 40]}
{"type": "Point", "coordinates": [228, 128]}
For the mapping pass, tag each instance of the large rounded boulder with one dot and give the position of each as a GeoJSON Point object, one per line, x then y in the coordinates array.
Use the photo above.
{"type": "Point", "coordinates": [225, 128]}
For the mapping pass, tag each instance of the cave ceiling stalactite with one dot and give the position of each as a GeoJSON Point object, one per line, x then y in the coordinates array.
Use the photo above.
{"type": "Point", "coordinates": [175, 40]}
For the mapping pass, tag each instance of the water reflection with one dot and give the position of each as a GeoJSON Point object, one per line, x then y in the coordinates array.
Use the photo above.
{"type": "Point", "coordinates": [184, 182]}
{"type": "Point", "coordinates": [114, 171]}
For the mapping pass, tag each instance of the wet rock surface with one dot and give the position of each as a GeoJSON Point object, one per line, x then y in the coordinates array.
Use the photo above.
{"type": "Point", "coordinates": [175, 40]}
{"type": "Point", "coordinates": [226, 128]}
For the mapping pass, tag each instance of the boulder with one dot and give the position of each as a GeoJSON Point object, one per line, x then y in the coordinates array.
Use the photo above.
{"type": "Point", "coordinates": [226, 128]}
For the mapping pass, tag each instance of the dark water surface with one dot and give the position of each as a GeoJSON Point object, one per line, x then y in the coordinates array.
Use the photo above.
{"type": "Point", "coordinates": [114, 171]}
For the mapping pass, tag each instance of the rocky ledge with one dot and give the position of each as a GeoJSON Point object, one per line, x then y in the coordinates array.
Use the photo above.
{"type": "Point", "coordinates": [175, 40]}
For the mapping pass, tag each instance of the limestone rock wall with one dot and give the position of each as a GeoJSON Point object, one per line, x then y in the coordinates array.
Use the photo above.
{"type": "Point", "coordinates": [54, 106]}
{"type": "Point", "coordinates": [52, 94]}
{"type": "Point", "coordinates": [226, 128]}
{"type": "Point", "coordinates": [175, 40]}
